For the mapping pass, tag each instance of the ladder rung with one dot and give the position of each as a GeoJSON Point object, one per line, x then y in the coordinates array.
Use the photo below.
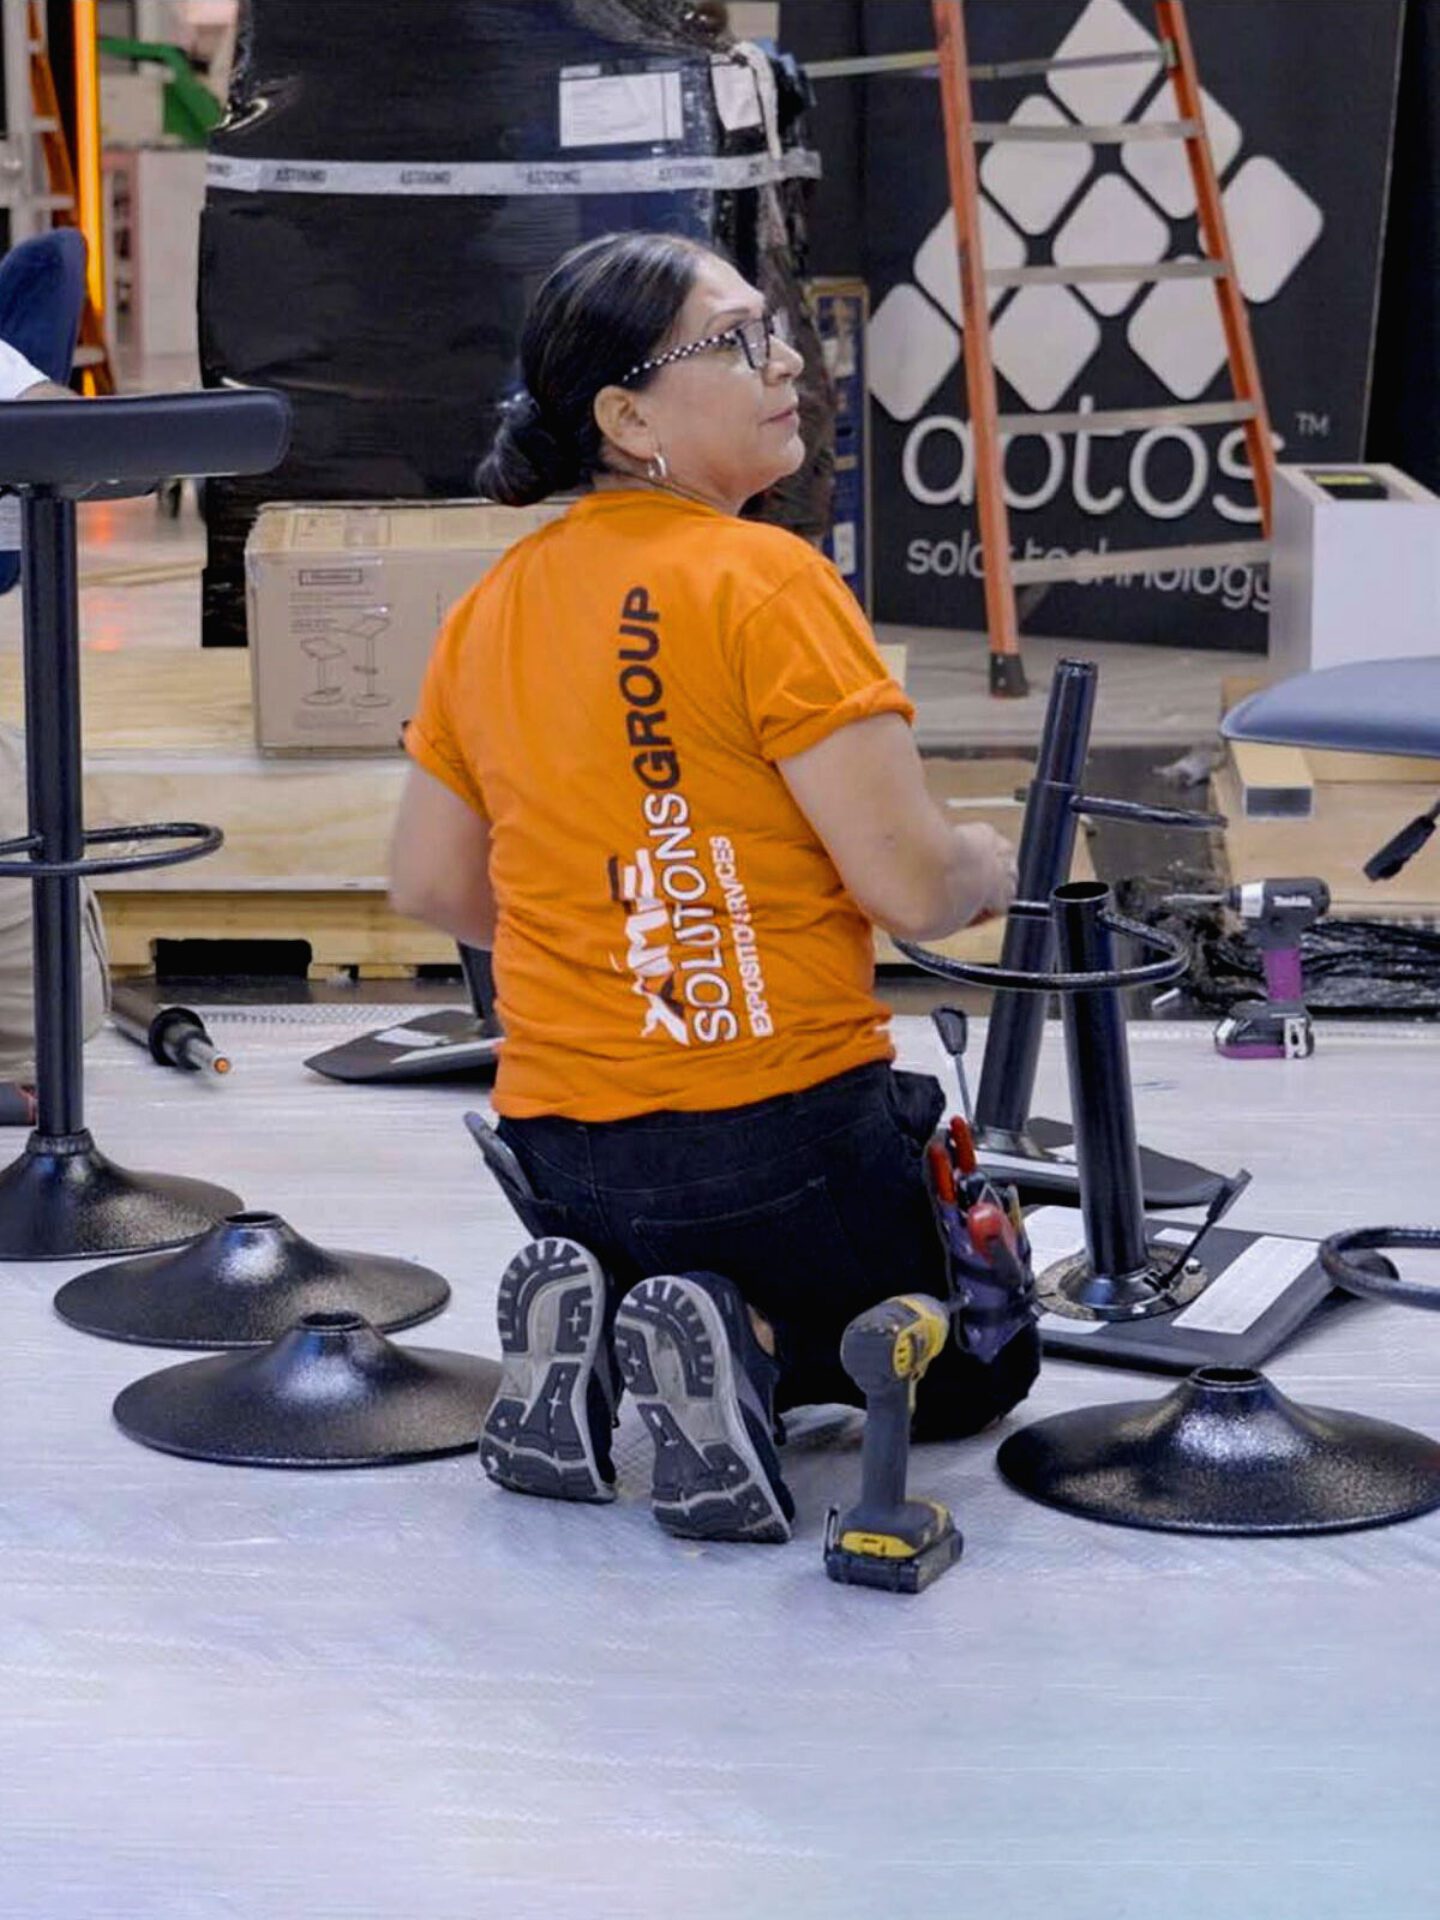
{"type": "Point", "coordinates": [1104, 566]}
{"type": "Point", "coordinates": [1116, 134]}
{"type": "Point", "coordinates": [1204, 413]}
{"type": "Point", "coordinates": [1024, 69]}
{"type": "Point", "coordinates": [44, 123]}
{"type": "Point", "coordinates": [927, 59]}
{"type": "Point", "coordinates": [88, 356]}
{"type": "Point", "coordinates": [1072, 276]}
{"type": "Point", "coordinates": [52, 202]}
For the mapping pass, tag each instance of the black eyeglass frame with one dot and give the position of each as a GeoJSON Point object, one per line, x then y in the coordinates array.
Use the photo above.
{"type": "Point", "coordinates": [771, 327]}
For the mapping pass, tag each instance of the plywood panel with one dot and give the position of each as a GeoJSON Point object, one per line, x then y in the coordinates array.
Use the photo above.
{"type": "Point", "coordinates": [1349, 824]}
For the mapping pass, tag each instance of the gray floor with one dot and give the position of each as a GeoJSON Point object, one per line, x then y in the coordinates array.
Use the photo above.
{"type": "Point", "coordinates": [402, 1695]}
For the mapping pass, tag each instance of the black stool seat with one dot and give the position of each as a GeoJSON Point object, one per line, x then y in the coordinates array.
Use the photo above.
{"type": "Point", "coordinates": [128, 445]}
{"type": "Point", "coordinates": [62, 1197]}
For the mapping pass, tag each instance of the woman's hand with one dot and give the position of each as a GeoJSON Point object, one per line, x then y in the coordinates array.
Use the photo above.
{"type": "Point", "coordinates": [989, 862]}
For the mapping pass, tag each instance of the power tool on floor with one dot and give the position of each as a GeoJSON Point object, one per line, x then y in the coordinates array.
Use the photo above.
{"type": "Point", "coordinates": [886, 1539]}
{"type": "Point", "coordinates": [1276, 914]}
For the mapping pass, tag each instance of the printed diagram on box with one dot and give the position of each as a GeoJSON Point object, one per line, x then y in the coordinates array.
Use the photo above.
{"type": "Point", "coordinates": [329, 645]}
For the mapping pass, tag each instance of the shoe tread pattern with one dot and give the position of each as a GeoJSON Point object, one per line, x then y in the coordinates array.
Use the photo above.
{"type": "Point", "coordinates": [534, 1442]}
{"type": "Point", "coordinates": [710, 1488]}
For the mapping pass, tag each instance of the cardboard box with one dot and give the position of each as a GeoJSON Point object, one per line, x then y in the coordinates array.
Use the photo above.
{"type": "Point", "coordinates": [344, 602]}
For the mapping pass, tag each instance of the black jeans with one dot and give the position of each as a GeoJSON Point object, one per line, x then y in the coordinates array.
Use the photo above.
{"type": "Point", "coordinates": [813, 1203]}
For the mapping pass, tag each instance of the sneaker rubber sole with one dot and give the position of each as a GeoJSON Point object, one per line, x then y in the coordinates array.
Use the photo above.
{"type": "Point", "coordinates": [537, 1437]}
{"type": "Point", "coordinates": [676, 1360]}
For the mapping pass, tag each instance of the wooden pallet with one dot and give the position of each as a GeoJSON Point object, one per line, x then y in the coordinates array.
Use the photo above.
{"type": "Point", "coordinates": [168, 736]}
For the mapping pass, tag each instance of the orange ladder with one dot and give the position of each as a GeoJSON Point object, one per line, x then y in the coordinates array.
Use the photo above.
{"type": "Point", "coordinates": [92, 355]}
{"type": "Point", "coordinates": [963, 134]}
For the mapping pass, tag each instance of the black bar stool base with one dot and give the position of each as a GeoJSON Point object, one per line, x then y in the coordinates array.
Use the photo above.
{"type": "Point", "coordinates": [331, 1392]}
{"type": "Point", "coordinates": [1041, 1162]}
{"type": "Point", "coordinates": [63, 1200]}
{"type": "Point", "coordinates": [1226, 1452]}
{"type": "Point", "coordinates": [246, 1282]}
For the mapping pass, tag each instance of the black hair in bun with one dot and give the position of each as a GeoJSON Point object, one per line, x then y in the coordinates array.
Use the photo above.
{"type": "Point", "coordinates": [526, 461]}
{"type": "Point", "coordinates": [605, 307]}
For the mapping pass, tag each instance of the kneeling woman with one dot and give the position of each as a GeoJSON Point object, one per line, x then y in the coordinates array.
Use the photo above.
{"type": "Point", "coordinates": [661, 769]}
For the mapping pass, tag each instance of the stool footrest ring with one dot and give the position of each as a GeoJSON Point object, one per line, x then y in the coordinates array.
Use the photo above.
{"type": "Point", "coordinates": [1343, 1271]}
{"type": "Point", "coordinates": [198, 841]}
{"type": "Point", "coordinates": [977, 973]}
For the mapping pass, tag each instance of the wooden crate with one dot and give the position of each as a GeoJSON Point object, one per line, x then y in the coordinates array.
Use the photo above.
{"type": "Point", "coordinates": [167, 736]}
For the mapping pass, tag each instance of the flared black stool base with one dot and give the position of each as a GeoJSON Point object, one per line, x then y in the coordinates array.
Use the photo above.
{"type": "Point", "coordinates": [1226, 1452]}
{"type": "Point", "coordinates": [63, 1200]}
{"type": "Point", "coordinates": [243, 1284]}
{"type": "Point", "coordinates": [332, 1392]}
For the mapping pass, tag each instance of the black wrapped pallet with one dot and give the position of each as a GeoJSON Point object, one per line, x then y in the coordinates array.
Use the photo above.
{"type": "Point", "coordinates": [410, 221]}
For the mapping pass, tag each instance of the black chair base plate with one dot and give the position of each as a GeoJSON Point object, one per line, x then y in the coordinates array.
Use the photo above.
{"type": "Point", "coordinates": [1225, 1452]}
{"type": "Point", "coordinates": [1050, 1172]}
{"type": "Point", "coordinates": [63, 1200]}
{"type": "Point", "coordinates": [244, 1284]}
{"type": "Point", "coordinates": [331, 1392]}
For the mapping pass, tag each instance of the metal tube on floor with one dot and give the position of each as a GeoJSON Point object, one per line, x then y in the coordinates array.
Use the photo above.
{"type": "Point", "coordinates": [1047, 844]}
{"type": "Point", "coordinates": [1101, 1098]}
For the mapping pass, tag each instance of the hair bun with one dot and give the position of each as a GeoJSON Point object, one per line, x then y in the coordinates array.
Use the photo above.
{"type": "Point", "coordinates": [527, 461]}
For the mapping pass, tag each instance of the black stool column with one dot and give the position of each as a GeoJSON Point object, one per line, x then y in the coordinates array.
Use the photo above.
{"type": "Point", "coordinates": [1047, 844]}
{"type": "Point", "coordinates": [62, 1198]}
{"type": "Point", "coordinates": [1101, 1099]}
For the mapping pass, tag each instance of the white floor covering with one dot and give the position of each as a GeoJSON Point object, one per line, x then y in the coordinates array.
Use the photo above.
{"type": "Point", "coordinates": [403, 1695]}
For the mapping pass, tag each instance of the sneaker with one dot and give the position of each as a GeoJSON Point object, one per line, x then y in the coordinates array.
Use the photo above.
{"type": "Point", "coordinates": [703, 1384]}
{"type": "Point", "coordinates": [548, 1429]}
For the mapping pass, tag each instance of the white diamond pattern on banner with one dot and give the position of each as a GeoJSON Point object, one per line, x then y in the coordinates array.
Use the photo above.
{"type": "Point", "coordinates": [1160, 166]}
{"type": "Point", "coordinates": [1099, 95]}
{"type": "Point", "coordinates": [1035, 183]}
{"type": "Point", "coordinates": [1043, 342]}
{"type": "Point", "coordinates": [937, 265]}
{"type": "Point", "coordinates": [1113, 224]}
{"type": "Point", "coordinates": [1044, 336]}
{"type": "Point", "coordinates": [1273, 225]}
{"type": "Point", "coordinates": [912, 347]}
{"type": "Point", "coordinates": [1176, 331]}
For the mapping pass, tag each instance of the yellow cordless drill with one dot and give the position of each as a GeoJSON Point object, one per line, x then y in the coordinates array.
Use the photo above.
{"type": "Point", "coordinates": [886, 1540]}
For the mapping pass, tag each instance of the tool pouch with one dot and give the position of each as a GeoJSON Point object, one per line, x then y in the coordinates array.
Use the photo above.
{"type": "Point", "coordinates": [996, 1292]}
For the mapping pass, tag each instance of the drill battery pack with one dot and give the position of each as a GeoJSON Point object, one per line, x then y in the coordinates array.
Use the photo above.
{"type": "Point", "coordinates": [880, 1566]}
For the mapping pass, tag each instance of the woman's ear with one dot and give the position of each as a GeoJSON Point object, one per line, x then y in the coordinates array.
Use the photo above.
{"type": "Point", "coordinates": [620, 416]}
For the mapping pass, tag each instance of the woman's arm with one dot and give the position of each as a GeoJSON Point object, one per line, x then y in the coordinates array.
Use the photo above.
{"type": "Point", "coordinates": [440, 861]}
{"type": "Point", "coordinates": [863, 791]}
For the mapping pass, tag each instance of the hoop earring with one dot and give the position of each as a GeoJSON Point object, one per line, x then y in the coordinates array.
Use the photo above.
{"type": "Point", "coordinates": [657, 469]}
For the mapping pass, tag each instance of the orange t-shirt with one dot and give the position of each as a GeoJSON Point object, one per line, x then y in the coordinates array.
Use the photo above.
{"type": "Point", "coordinates": [611, 697]}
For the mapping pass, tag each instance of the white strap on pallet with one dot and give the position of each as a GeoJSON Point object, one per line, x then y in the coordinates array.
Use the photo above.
{"type": "Point", "coordinates": [1104, 566]}
{"type": "Point", "coordinates": [680, 173]}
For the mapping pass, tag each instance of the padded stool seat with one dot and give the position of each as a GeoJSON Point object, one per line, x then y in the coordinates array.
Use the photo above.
{"type": "Point", "coordinates": [1367, 706]}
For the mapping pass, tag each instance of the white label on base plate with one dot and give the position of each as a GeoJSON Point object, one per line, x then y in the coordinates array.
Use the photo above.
{"type": "Point", "coordinates": [1248, 1287]}
{"type": "Point", "coordinates": [412, 1037]}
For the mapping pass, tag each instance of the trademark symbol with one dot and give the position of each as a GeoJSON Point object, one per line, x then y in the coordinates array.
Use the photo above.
{"type": "Point", "coordinates": [1312, 426]}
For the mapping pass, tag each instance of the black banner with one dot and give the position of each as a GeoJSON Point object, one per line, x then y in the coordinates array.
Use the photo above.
{"type": "Point", "coordinates": [1300, 108]}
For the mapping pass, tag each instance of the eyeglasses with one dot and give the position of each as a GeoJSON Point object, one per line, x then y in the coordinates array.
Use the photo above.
{"type": "Point", "coordinates": [754, 338]}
